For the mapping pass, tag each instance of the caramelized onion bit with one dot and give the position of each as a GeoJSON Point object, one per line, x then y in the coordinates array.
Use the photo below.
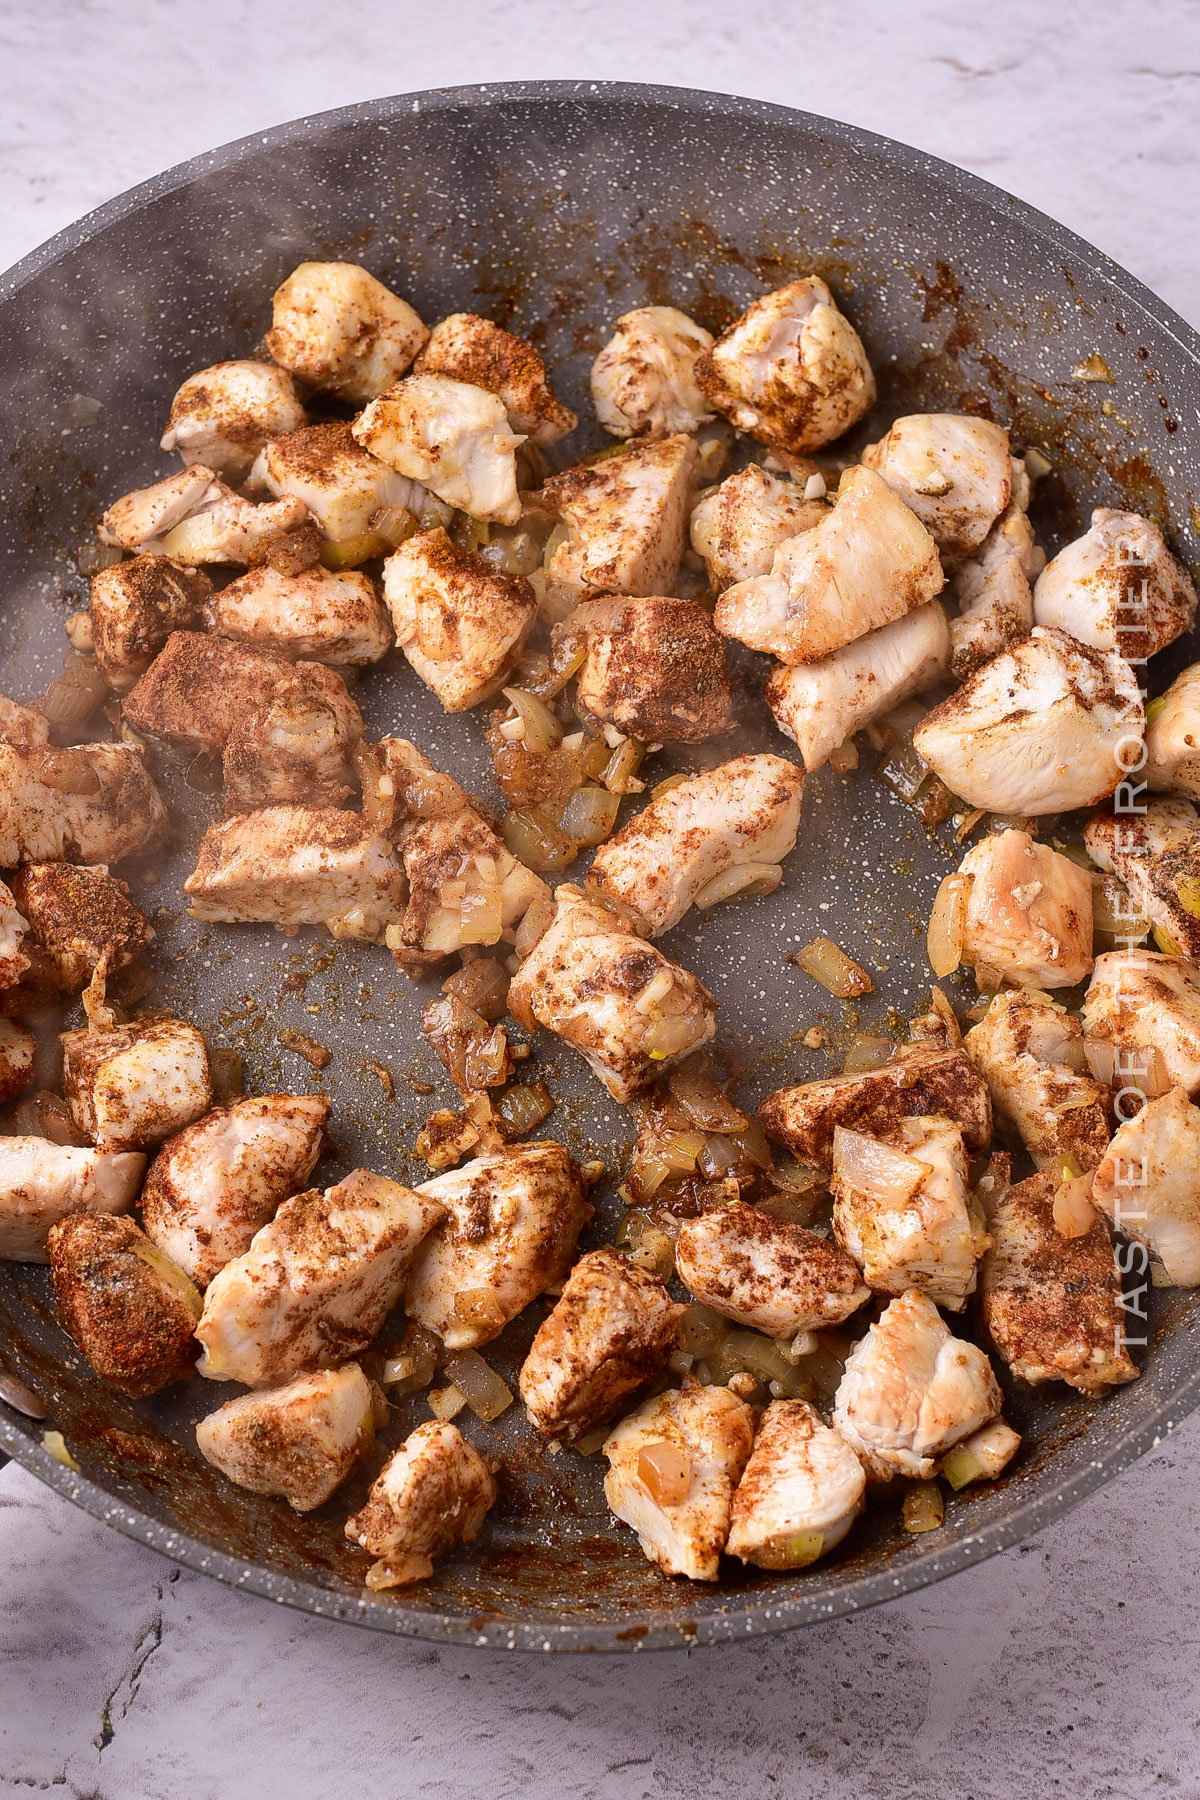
{"type": "Point", "coordinates": [837, 973]}
{"type": "Point", "coordinates": [665, 1471]}
{"type": "Point", "coordinates": [478, 1383]}
{"type": "Point", "coordinates": [924, 1508]}
{"type": "Point", "coordinates": [1074, 1214]}
{"type": "Point", "coordinates": [743, 883]}
{"type": "Point", "coordinates": [878, 1170]}
{"type": "Point", "coordinates": [948, 924]}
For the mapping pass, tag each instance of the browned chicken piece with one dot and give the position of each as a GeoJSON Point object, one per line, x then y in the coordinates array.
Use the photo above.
{"type": "Point", "coordinates": [473, 349]}
{"type": "Point", "coordinates": [332, 617]}
{"type": "Point", "coordinates": [434, 1492]}
{"type": "Point", "coordinates": [41, 1182]}
{"type": "Point", "coordinates": [644, 380]}
{"type": "Point", "coordinates": [941, 1083]}
{"type": "Point", "coordinates": [1156, 853]}
{"type": "Point", "coordinates": [134, 608]}
{"type": "Point", "coordinates": [867, 562]}
{"type": "Point", "coordinates": [1030, 1052]}
{"type": "Point", "coordinates": [300, 1440]}
{"type": "Point", "coordinates": [1052, 1304]}
{"type": "Point", "coordinates": [623, 524]}
{"type": "Point", "coordinates": [459, 620]}
{"type": "Point", "coordinates": [1144, 1010]}
{"type": "Point", "coordinates": [738, 526]}
{"type": "Point", "coordinates": [14, 926]}
{"type": "Point", "coordinates": [339, 328]}
{"type": "Point", "coordinates": [628, 1010]}
{"type": "Point", "coordinates": [1118, 587]}
{"type": "Point", "coordinates": [18, 1052]}
{"type": "Point", "coordinates": [22, 727]}
{"type": "Point", "coordinates": [221, 1179]}
{"type": "Point", "coordinates": [224, 415]}
{"type": "Point", "coordinates": [953, 470]}
{"type": "Point", "coordinates": [993, 592]}
{"type": "Point", "coordinates": [1173, 737]}
{"type": "Point", "coordinates": [800, 1493]}
{"type": "Point", "coordinates": [342, 485]}
{"type": "Point", "coordinates": [766, 1272]}
{"type": "Point", "coordinates": [194, 518]}
{"type": "Point", "coordinates": [513, 1218]}
{"type": "Point", "coordinates": [1148, 1185]}
{"type": "Point", "coordinates": [612, 1330]}
{"type": "Point", "coordinates": [134, 1085]}
{"type": "Point", "coordinates": [654, 668]}
{"type": "Point", "coordinates": [92, 803]}
{"type": "Point", "coordinates": [1028, 912]}
{"type": "Point", "coordinates": [129, 1309]}
{"type": "Point", "coordinates": [299, 865]}
{"type": "Point", "coordinates": [791, 371]}
{"type": "Point", "coordinates": [79, 917]}
{"type": "Point", "coordinates": [452, 437]}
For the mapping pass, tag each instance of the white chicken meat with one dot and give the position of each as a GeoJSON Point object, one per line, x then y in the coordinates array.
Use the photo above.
{"type": "Point", "coordinates": [13, 927]}
{"type": "Point", "coordinates": [644, 380]}
{"type": "Point", "coordinates": [41, 1182]}
{"type": "Point", "coordinates": [298, 865]}
{"type": "Point", "coordinates": [1030, 1051]}
{"type": "Point", "coordinates": [135, 1085]}
{"type": "Point", "coordinates": [653, 667]}
{"type": "Point", "coordinates": [1156, 853]}
{"type": "Point", "coordinates": [738, 526]}
{"type": "Point", "coordinates": [993, 592]}
{"type": "Point", "coordinates": [92, 803]}
{"type": "Point", "coordinates": [452, 437]}
{"type": "Point", "coordinates": [22, 727]}
{"type": "Point", "coordinates": [622, 524]}
{"type": "Point", "coordinates": [918, 1082]}
{"type": "Point", "coordinates": [1028, 912]}
{"type": "Point", "coordinates": [1117, 587]}
{"type": "Point", "coordinates": [343, 331]}
{"type": "Point", "coordinates": [223, 416]}
{"type": "Point", "coordinates": [953, 470]}
{"type": "Point", "coordinates": [800, 1492]}
{"type": "Point", "coordinates": [1148, 1185]}
{"type": "Point", "coordinates": [1145, 1008]}
{"type": "Point", "coordinates": [300, 1440]}
{"type": "Point", "coordinates": [1173, 737]}
{"type": "Point", "coordinates": [765, 1272]}
{"type": "Point", "coordinates": [318, 614]}
{"type": "Point", "coordinates": [342, 485]}
{"type": "Point", "coordinates": [470, 348]}
{"type": "Point", "coordinates": [135, 606]}
{"type": "Point", "coordinates": [459, 620]}
{"type": "Point", "coordinates": [194, 518]}
{"type": "Point", "coordinates": [433, 1492]}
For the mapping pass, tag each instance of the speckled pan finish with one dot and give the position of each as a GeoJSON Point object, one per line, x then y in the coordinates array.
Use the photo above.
{"type": "Point", "coordinates": [553, 207]}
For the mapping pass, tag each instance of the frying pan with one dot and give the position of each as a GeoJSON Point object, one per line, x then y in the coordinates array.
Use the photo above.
{"type": "Point", "coordinates": [553, 207]}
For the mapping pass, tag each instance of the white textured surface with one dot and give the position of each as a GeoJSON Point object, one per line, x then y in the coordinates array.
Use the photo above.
{"type": "Point", "coordinates": [1067, 1667]}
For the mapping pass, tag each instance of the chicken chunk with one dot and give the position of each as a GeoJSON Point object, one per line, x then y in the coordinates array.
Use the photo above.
{"type": "Point", "coordinates": [628, 1010]}
{"type": "Point", "coordinates": [1028, 912]}
{"type": "Point", "coordinates": [333, 618]}
{"type": "Point", "coordinates": [343, 331]}
{"type": "Point", "coordinates": [452, 437]}
{"type": "Point", "coordinates": [1173, 737]}
{"type": "Point", "coordinates": [644, 380]}
{"type": "Point", "coordinates": [623, 524]}
{"type": "Point", "coordinates": [317, 1281]}
{"type": "Point", "coordinates": [791, 371]}
{"type": "Point", "coordinates": [738, 527]}
{"type": "Point", "coordinates": [1147, 1008]}
{"type": "Point", "coordinates": [342, 485]}
{"type": "Point", "coordinates": [193, 518]}
{"type": "Point", "coordinates": [1149, 1186]}
{"type": "Point", "coordinates": [917, 1083]}
{"type": "Point", "coordinates": [800, 1493]}
{"type": "Point", "coordinates": [434, 1492]}
{"type": "Point", "coordinates": [127, 1306]}
{"type": "Point", "coordinates": [220, 1180]}
{"type": "Point", "coordinates": [13, 928]}
{"type": "Point", "coordinates": [673, 1467]}
{"type": "Point", "coordinates": [134, 608]}
{"type": "Point", "coordinates": [459, 621]}
{"type": "Point", "coordinates": [1156, 853]}
{"type": "Point", "coordinates": [766, 1272]}
{"type": "Point", "coordinates": [1052, 1304]}
{"type": "Point", "coordinates": [612, 1330]}
{"type": "Point", "coordinates": [1047, 726]}
{"type": "Point", "coordinates": [298, 865]}
{"type": "Point", "coordinates": [473, 349]}
{"type": "Point", "coordinates": [1118, 587]}
{"type": "Point", "coordinates": [135, 1085]}
{"type": "Point", "coordinates": [198, 688]}
{"type": "Point", "coordinates": [79, 917]}
{"type": "Point", "coordinates": [1030, 1052]}
{"type": "Point", "coordinates": [93, 803]}
{"type": "Point", "coordinates": [911, 1390]}
{"type": "Point", "coordinates": [820, 705]}
{"type": "Point", "coordinates": [729, 825]}
{"type": "Point", "coordinates": [953, 470]}
{"type": "Point", "coordinates": [41, 1182]}
{"type": "Point", "coordinates": [18, 1050]}
{"type": "Point", "coordinates": [654, 668]}
{"type": "Point", "coordinates": [22, 727]}
{"type": "Point", "coordinates": [867, 562]}
{"type": "Point", "coordinates": [223, 416]}
{"type": "Point", "coordinates": [993, 592]}
{"type": "Point", "coordinates": [300, 1440]}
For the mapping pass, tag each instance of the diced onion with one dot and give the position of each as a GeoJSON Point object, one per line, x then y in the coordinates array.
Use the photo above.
{"type": "Point", "coordinates": [695, 1089]}
{"type": "Point", "coordinates": [844, 759]}
{"type": "Point", "coordinates": [537, 842]}
{"type": "Point", "coordinates": [348, 553]}
{"type": "Point", "coordinates": [880, 1171]}
{"type": "Point", "coordinates": [48, 1116]}
{"type": "Point", "coordinates": [744, 881]}
{"type": "Point", "coordinates": [948, 924]}
{"type": "Point", "coordinates": [827, 963]}
{"type": "Point", "coordinates": [982, 1456]}
{"type": "Point", "coordinates": [700, 1330]}
{"type": "Point", "coordinates": [1074, 1214]}
{"type": "Point", "coordinates": [534, 926]}
{"type": "Point", "coordinates": [868, 1053]}
{"type": "Point", "coordinates": [478, 1383]}
{"type": "Point", "coordinates": [543, 731]}
{"type": "Point", "coordinates": [589, 814]}
{"type": "Point", "coordinates": [66, 771]}
{"type": "Point", "coordinates": [523, 1107]}
{"type": "Point", "coordinates": [394, 524]}
{"type": "Point", "coordinates": [665, 1471]}
{"type": "Point", "coordinates": [56, 1444]}
{"type": "Point", "coordinates": [622, 766]}
{"type": "Point", "coordinates": [446, 1403]}
{"type": "Point", "coordinates": [924, 1508]}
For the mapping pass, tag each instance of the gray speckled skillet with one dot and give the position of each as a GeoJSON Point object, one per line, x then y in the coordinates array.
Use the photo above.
{"type": "Point", "coordinates": [553, 207]}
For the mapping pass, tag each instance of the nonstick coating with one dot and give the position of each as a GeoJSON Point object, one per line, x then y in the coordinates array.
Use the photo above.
{"type": "Point", "coordinates": [553, 207]}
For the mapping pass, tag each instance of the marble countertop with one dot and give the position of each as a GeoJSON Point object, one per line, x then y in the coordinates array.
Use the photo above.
{"type": "Point", "coordinates": [1067, 1666]}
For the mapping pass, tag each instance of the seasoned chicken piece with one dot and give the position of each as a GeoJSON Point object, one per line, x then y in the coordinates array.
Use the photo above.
{"type": "Point", "coordinates": [820, 705]}
{"type": "Point", "coordinates": [644, 379]}
{"type": "Point", "coordinates": [339, 328]}
{"type": "Point", "coordinates": [512, 1220]}
{"type": "Point", "coordinates": [342, 485]}
{"type": "Point", "coordinates": [464, 887]}
{"type": "Point", "coordinates": [93, 803]}
{"type": "Point", "coordinates": [867, 562]}
{"type": "Point", "coordinates": [902, 1209]}
{"type": "Point", "coordinates": [1117, 587]}
{"type": "Point", "coordinates": [298, 865]}
{"type": "Point", "coordinates": [1029, 1050]}
{"type": "Point", "coordinates": [995, 600]}
{"type": "Point", "coordinates": [1156, 853]}
{"type": "Point", "coordinates": [13, 927]}
{"type": "Point", "coordinates": [738, 527]}
{"type": "Point", "coordinates": [623, 524]}
{"type": "Point", "coordinates": [77, 917]}
{"type": "Point", "coordinates": [654, 668]}
{"type": "Point", "coordinates": [1148, 1008]}
{"type": "Point", "coordinates": [452, 437]}
{"type": "Point", "coordinates": [1047, 726]}
{"type": "Point", "coordinates": [1173, 737]}
{"type": "Point", "coordinates": [628, 1010]}
{"type": "Point", "coordinates": [911, 1390]}
{"type": "Point", "coordinates": [136, 1084]}
{"type": "Point", "coordinates": [217, 1182]}
{"type": "Point", "coordinates": [434, 1492]}
{"type": "Point", "coordinates": [18, 1048]}
{"type": "Point", "coordinates": [317, 1281]}
{"type": "Point", "coordinates": [919, 1082]}
{"type": "Point", "coordinates": [300, 1440]}
{"type": "Point", "coordinates": [954, 471]}
{"type": "Point", "coordinates": [1149, 1186]}
{"type": "Point", "coordinates": [1052, 1304]}
{"type": "Point", "coordinates": [473, 349]}
{"type": "Point", "coordinates": [198, 689]}
{"type": "Point", "coordinates": [127, 1306]}
{"type": "Point", "coordinates": [673, 1466]}
{"type": "Point", "coordinates": [739, 819]}
{"type": "Point", "coordinates": [224, 415]}
{"type": "Point", "coordinates": [194, 518]}
{"type": "Point", "coordinates": [21, 727]}
{"type": "Point", "coordinates": [801, 1491]}
{"type": "Point", "coordinates": [766, 1272]}
{"type": "Point", "coordinates": [791, 371]}
{"type": "Point", "coordinates": [141, 519]}
{"type": "Point", "coordinates": [459, 620]}
{"type": "Point", "coordinates": [1028, 913]}
{"type": "Point", "coordinates": [331, 617]}
{"type": "Point", "coordinates": [611, 1330]}
{"type": "Point", "coordinates": [41, 1182]}
{"type": "Point", "coordinates": [134, 608]}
